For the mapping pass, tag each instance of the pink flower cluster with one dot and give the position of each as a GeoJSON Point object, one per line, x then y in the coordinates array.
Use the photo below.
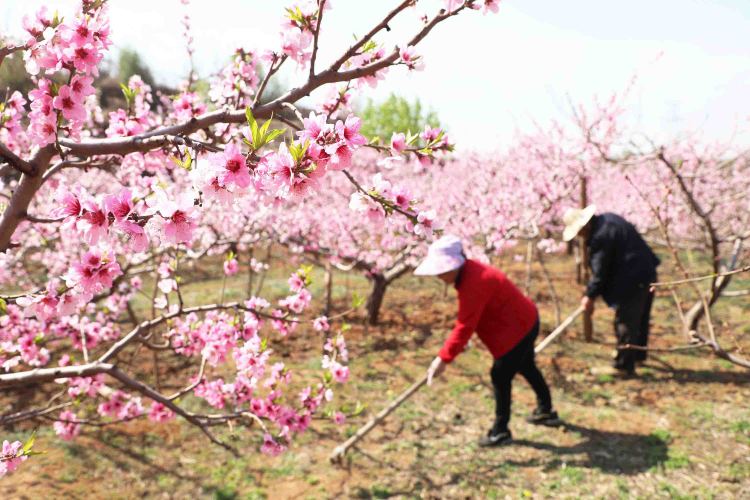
{"type": "Point", "coordinates": [121, 406]}
{"type": "Point", "coordinates": [160, 413]}
{"type": "Point", "coordinates": [370, 56]}
{"type": "Point", "coordinates": [237, 82]}
{"type": "Point", "coordinates": [67, 427]}
{"type": "Point", "coordinates": [335, 101]}
{"type": "Point", "coordinates": [224, 176]}
{"type": "Point", "coordinates": [93, 218]}
{"type": "Point", "coordinates": [18, 340]}
{"type": "Point", "coordinates": [188, 105]}
{"type": "Point", "coordinates": [76, 46]}
{"type": "Point", "coordinates": [298, 29]}
{"type": "Point", "coordinates": [335, 355]}
{"type": "Point", "coordinates": [94, 273]}
{"type": "Point", "coordinates": [332, 144]}
{"type": "Point", "coordinates": [11, 113]}
{"type": "Point", "coordinates": [138, 118]}
{"type": "Point", "coordinates": [177, 217]}
{"type": "Point", "coordinates": [381, 191]}
{"type": "Point", "coordinates": [408, 56]}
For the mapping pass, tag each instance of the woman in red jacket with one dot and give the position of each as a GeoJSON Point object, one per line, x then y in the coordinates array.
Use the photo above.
{"type": "Point", "coordinates": [506, 321]}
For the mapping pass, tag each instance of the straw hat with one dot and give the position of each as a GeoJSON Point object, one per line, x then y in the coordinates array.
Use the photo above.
{"type": "Point", "coordinates": [575, 219]}
{"type": "Point", "coordinates": [444, 255]}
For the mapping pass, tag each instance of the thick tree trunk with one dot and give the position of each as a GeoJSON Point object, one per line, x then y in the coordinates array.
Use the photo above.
{"type": "Point", "coordinates": [375, 300]}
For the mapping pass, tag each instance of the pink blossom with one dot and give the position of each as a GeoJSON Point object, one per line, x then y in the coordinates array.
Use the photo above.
{"type": "Point", "coordinates": [232, 165]}
{"type": "Point", "coordinates": [113, 406]}
{"type": "Point", "coordinates": [84, 57]}
{"type": "Point", "coordinates": [68, 428]}
{"type": "Point", "coordinates": [94, 273]}
{"type": "Point", "coordinates": [270, 446]}
{"type": "Point", "coordinates": [430, 134]}
{"type": "Point", "coordinates": [178, 222]}
{"type": "Point", "coordinates": [452, 5]}
{"type": "Point", "coordinates": [81, 87]}
{"type": "Point", "coordinates": [69, 204]}
{"type": "Point", "coordinates": [491, 6]}
{"type": "Point", "coordinates": [231, 267]}
{"type": "Point", "coordinates": [93, 223]}
{"type": "Point", "coordinates": [425, 223]}
{"type": "Point", "coordinates": [11, 457]}
{"type": "Point", "coordinates": [350, 131]}
{"type": "Point", "coordinates": [120, 205]}
{"type": "Point", "coordinates": [160, 413]}
{"type": "Point", "coordinates": [339, 418]}
{"type": "Point", "coordinates": [296, 282]}
{"type": "Point", "coordinates": [67, 102]}
{"type": "Point", "coordinates": [321, 324]}
{"type": "Point", "coordinates": [410, 58]}
{"type": "Point", "coordinates": [340, 372]}
{"type": "Point", "coordinates": [398, 143]}
{"type": "Point", "coordinates": [42, 306]}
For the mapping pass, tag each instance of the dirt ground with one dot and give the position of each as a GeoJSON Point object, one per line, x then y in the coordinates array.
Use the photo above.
{"type": "Point", "coordinates": [681, 429]}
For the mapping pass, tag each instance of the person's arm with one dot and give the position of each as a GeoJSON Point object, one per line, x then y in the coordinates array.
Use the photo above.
{"type": "Point", "coordinates": [601, 257]}
{"type": "Point", "coordinates": [470, 308]}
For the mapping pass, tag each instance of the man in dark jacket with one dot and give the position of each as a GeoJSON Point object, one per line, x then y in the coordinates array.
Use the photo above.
{"type": "Point", "coordinates": [622, 266]}
{"type": "Point", "coordinates": [507, 323]}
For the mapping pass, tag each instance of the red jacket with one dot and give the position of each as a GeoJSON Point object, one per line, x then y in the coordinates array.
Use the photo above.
{"type": "Point", "coordinates": [491, 305]}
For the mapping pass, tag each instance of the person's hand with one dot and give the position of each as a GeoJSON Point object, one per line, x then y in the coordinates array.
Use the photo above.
{"type": "Point", "coordinates": [436, 368]}
{"type": "Point", "coordinates": [588, 304]}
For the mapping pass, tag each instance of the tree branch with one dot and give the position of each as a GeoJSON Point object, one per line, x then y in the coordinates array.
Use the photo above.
{"type": "Point", "coordinates": [15, 161]}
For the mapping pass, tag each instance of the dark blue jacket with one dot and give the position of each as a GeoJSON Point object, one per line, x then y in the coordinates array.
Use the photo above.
{"type": "Point", "coordinates": [620, 259]}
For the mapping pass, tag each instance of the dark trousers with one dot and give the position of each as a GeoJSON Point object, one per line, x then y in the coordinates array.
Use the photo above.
{"type": "Point", "coordinates": [632, 317]}
{"type": "Point", "coordinates": [520, 359]}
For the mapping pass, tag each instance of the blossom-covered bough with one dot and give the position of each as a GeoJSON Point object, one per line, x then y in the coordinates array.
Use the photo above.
{"type": "Point", "coordinates": [99, 212]}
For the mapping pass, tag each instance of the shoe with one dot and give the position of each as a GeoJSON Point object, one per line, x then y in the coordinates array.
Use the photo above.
{"type": "Point", "coordinates": [495, 439]}
{"type": "Point", "coordinates": [624, 373]}
{"type": "Point", "coordinates": [542, 417]}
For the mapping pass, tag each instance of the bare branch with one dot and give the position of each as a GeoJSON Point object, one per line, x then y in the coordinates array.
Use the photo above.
{"type": "Point", "coordinates": [701, 278]}
{"type": "Point", "coordinates": [16, 162]}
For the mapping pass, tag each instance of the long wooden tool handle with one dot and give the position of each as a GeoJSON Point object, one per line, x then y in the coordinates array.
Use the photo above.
{"type": "Point", "coordinates": [341, 450]}
{"type": "Point", "coordinates": [556, 333]}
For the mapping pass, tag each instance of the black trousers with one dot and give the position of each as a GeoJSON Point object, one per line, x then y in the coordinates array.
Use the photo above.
{"type": "Point", "coordinates": [521, 360]}
{"type": "Point", "coordinates": [632, 317]}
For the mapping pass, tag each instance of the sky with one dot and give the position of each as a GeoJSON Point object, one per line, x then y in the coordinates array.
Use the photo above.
{"type": "Point", "coordinates": [488, 76]}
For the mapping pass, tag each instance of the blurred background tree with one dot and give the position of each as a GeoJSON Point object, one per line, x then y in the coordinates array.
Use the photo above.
{"type": "Point", "coordinates": [13, 75]}
{"type": "Point", "coordinates": [129, 64]}
{"type": "Point", "coordinates": [395, 114]}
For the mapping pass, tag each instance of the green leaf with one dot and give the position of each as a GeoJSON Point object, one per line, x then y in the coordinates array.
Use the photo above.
{"type": "Point", "coordinates": [369, 46]}
{"type": "Point", "coordinates": [29, 443]}
{"type": "Point", "coordinates": [249, 116]}
{"type": "Point", "coordinates": [357, 300]}
{"type": "Point", "coordinates": [274, 134]}
{"type": "Point", "coordinates": [188, 161]}
{"type": "Point", "coordinates": [358, 409]}
{"type": "Point", "coordinates": [264, 129]}
{"type": "Point", "coordinates": [3, 307]}
{"type": "Point", "coordinates": [255, 135]}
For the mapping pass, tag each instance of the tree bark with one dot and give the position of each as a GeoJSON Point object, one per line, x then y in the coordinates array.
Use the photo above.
{"type": "Point", "coordinates": [375, 300]}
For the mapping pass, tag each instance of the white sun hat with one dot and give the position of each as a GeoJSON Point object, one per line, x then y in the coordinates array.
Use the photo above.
{"type": "Point", "coordinates": [575, 219]}
{"type": "Point", "coordinates": [445, 254]}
